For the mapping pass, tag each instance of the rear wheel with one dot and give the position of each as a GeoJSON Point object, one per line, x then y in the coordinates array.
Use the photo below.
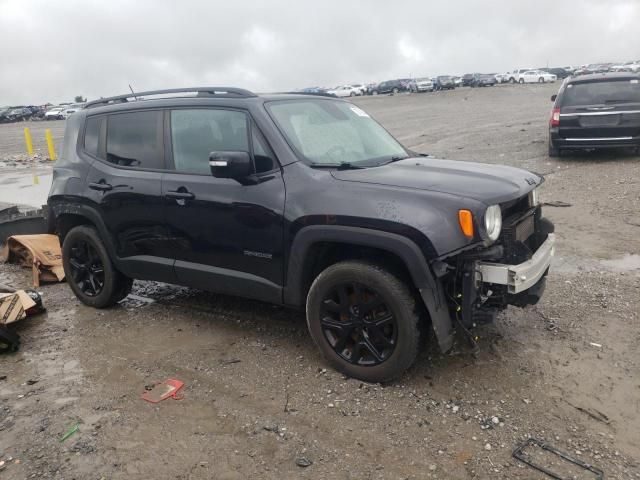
{"type": "Point", "coordinates": [541, 80]}
{"type": "Point", "coordinates": [352, 94]}
{"type": "Point", "coordinates": [521, 81]}
{"type": "Point", "coordinates": [364, 320]}
{"type": "Point", "coordinates": [89, 270]}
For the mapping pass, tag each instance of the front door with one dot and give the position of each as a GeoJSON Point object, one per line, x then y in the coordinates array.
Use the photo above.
{"type": "Point", "coordinates": [227, 235]}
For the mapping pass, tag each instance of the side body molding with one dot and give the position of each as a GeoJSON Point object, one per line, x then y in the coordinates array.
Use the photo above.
{"type": "Point", "coordinates": [430, 287]}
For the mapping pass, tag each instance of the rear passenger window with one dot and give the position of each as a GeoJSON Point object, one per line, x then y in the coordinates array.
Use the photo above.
{"type": "Point", "coordinates": [197, 133]}
{"type": "Point", "coordinates": [92, 135]}
{"type": "Point", "coordinates": [135, 139]}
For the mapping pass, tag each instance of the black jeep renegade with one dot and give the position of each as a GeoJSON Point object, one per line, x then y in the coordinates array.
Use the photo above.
{"type": "Point", "coordinates": [298, 200]}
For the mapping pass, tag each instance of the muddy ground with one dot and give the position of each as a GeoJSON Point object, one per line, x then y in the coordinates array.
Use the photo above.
{"type": "Point", "coordinates": [258, 397]}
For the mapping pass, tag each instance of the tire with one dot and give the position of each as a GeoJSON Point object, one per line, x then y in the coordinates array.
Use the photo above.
{"type": "Point", "coordinates": [352, 94]}
{"type": "Point", "coordinates": [521, 81]}
{"type": "Point", "coordinates": [396, 342]}
{"type": "Point", "coordinates": [89, 270]}
{"type": "Point", "coordinates": [553, 150]}
{"type": "Point", "coordinates": [395, 90]}
{"type": "Point", "coordinates": [512, 80]}
{"type": "Point", "coordinates": [541, 80]}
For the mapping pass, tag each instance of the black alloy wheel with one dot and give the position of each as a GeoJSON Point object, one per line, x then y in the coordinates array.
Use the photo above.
{"type": "Point", "coordinates": [358, 324]}
{"type": "Point", "coordinates": [365, 320]}
{"type": "Point", "coordinates": [87, 269]}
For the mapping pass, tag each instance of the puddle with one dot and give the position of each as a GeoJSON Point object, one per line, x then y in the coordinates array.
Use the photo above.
{"type": "Point", "coordinates": [627, 263]}
{"type": "Point", "coordinates": [19, 188]}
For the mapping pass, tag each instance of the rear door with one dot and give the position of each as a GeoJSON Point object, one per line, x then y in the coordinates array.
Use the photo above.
{"type": "Point", "coordinates": [125, 187]}
{"type": "Point", "coordinates": [228, 236]}
{"type": "Point", "coordinates": [601, 111]}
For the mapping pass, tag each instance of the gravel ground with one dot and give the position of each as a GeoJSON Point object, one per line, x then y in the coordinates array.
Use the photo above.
{"type": "Point", "coordinates": [259, 401]}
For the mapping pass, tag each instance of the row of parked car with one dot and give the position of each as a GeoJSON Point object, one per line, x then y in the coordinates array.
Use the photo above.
{"type": "Point", "coordinates": [449, 82]}
{"type": "Point", "coordinates": [45, 112]}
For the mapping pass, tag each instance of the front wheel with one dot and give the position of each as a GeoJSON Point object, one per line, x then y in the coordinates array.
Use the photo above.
{"type": "Point", "coordinates": [352, 94]}
{"type": "Point", "coordinates": [364, 320]}
{"type": "Point", "coordinates": [89, 270]}
{"type": "Point", "coordinates": [521, 81]}
{"type": "Point", "coordinates": [541, 80]}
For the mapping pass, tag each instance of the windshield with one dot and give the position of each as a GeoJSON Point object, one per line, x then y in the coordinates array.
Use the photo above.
{"type": "Point", "coordinates": [596, 93]}
{"type": "Point", "coordinates": [329, 132]}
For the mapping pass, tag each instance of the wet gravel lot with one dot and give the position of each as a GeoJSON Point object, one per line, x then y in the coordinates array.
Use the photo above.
{"type": "Point", "coordinates": [259, 401]}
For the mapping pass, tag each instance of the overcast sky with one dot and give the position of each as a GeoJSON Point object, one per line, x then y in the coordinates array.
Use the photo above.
{"type": "Point", "coordinates": [54, 50]}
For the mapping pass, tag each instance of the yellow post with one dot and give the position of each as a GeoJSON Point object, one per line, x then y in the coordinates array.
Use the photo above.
{"type": "Point", "coordinates": [52, 150]}
{"type": "Point", "coordinates": [29, 141]}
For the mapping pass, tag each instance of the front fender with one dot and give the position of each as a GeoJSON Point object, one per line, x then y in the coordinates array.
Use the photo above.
{"type": "Point", "coordinates": [430, 288]}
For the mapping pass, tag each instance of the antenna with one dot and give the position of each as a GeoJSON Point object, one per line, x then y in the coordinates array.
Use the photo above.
{"type": "Point", "coordinates": [134, 94]}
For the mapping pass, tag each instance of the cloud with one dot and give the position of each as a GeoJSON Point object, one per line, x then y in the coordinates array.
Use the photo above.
{"type": "Point", "coordinates": [52, 51]}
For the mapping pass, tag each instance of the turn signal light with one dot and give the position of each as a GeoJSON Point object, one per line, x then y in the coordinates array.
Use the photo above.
{"type": "Point", "coordinates": [555, 117]}
{"type": "Point", "coordinates": [465, 218]}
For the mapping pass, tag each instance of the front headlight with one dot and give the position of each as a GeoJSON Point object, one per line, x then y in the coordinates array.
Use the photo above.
{"type": "Point", "coordinates": [493, 222]}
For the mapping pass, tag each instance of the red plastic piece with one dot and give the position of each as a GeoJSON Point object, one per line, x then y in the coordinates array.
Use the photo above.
{"type": "Point", "coordinates": [163, 390]}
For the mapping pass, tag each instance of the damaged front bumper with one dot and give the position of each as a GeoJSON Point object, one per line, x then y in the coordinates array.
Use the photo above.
{"type": "Point", "coordinates": [518, 278]}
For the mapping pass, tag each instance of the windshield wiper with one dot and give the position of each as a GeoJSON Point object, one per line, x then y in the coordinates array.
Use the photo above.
{"type": "Point", "coordinates": [395, 158]}
{"type": "Point", "coordinates": [338, 166]}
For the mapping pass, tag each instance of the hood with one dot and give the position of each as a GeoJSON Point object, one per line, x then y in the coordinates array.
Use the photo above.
{"type": "Point", "coordinates": [486, 183]}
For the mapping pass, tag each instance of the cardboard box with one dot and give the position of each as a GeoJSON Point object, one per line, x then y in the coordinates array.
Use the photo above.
{"type": "Point", "coordinates": [13, 306]}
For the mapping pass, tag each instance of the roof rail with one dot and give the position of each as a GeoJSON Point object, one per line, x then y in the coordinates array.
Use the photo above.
{"type": "Point", "coordinates": [312, 94]}
{"type": "Point", "coordinates": [201, 91]}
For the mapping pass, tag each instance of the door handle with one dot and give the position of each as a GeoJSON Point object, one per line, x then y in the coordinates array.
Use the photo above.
{"type": "Point", "coordinates": [101, 187]}
{"type": "Point", "coordinates": [180, 195]}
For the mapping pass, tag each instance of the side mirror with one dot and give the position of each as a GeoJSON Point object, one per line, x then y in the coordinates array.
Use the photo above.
{"type": "Point", "coordinates": [553, 98]}
{"type": "Point", "coordinates": [230, 164]}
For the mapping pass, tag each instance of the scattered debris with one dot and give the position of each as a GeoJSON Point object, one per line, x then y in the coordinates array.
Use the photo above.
{"type": "Point", "coordinates": [521, 455]}
{"type": "Point", "coordinates": [40, 252]}
{"type": "Point", "coordinates": [303, 462]}
{"type": "Point", "coordinates": [592, 412]}
{"type": "Point", "coordinates": [70, 432]}
{"type": "Point", "coordinates": [230, 362]}
{"type": "Point", "coordinates": [163, 390]}
{"type": "Point", "coordinates": [593, 344]}
{"type": "Point", "coordinates": [557, 203]}
{"type": "Point", "coordinates": [16, 306]}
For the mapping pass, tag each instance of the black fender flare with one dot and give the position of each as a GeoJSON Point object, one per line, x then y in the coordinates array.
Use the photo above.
{"type": "Point", "coordinates": [62, 207]}
{"type": "Point", "coordinates": [430, 287]}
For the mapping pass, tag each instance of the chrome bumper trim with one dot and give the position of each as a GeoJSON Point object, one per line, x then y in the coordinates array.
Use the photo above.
{"type": "Point", "coordinates": [519, 278]}
{"type": "Point", "coordinates": [601, 139]}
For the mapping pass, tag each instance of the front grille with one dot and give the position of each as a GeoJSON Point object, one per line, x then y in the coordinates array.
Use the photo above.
{"type": "Point", "coordinates": [524, 229]}
{"type": "Point", "coordinates": [517, 237]}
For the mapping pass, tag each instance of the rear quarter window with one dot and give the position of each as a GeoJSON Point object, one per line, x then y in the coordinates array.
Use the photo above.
{"type": "Point", "coordinates": [601, 93]}
{"type": "Point", "coordinates": [92, 135]}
